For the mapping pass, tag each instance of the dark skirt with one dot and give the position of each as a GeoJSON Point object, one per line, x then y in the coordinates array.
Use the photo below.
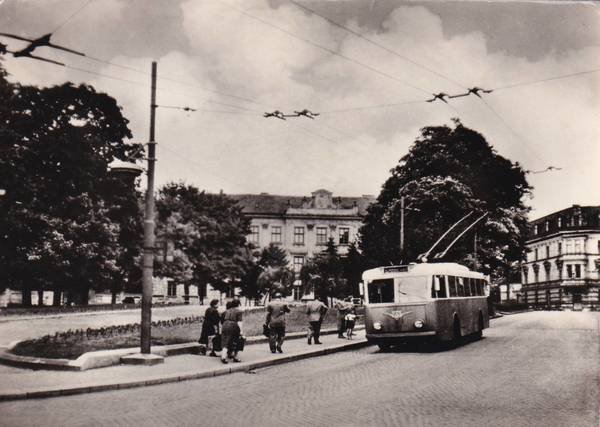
{"type": "Point", "coordinates": [207, 331]}
{"type": "Point", "coordinates": [229, 333]}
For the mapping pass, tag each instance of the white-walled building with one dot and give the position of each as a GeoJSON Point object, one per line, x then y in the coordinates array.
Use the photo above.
{"type": "Point", "coordinates": [302, 226]}
{"type": "Point", "coordinates": [561, 270]}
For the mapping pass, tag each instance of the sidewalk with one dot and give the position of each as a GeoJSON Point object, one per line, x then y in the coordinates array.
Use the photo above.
{"type": "Point", "coordinates": [20, 383]}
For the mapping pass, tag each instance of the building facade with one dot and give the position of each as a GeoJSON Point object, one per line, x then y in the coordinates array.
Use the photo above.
{"type": "Point", "coordinates": [561, 269]}
{"type": "Point", "coordinates": [302, 226]}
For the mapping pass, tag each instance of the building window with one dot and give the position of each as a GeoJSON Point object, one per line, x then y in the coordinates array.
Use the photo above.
{"type": "Point", "coordinates": [344, 235]}
{"type": "Point", "coordinates": [569, 271]}
{"type": "Point", "coordinates": [560, 247]}
{"type": "Point", "coordinates": [171, 288]}
{"type": "Point", "coordinates": [578, 246]}
{"type": "Point", "coordinates": [321, 235]}
{"type": "Point", "coordinates": [535, 254]}
{"type": "Point", "coordinates": [254, 234]}
{"type": "Point", "coordinates": [298, 235]}
{"type": "Point", "coordinates": [547, 251]}
{"type": "Point", "coordinates": [297, 264]}
{"type": "Point", "coordinates": [577, 271]}
{"type": "Point", "coordinates": [276, 234]}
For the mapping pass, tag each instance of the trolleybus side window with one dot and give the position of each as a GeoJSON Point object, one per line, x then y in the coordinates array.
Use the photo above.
{"type": "Point", "coordinates": [452, 286]}
{"type": "Point", "coordinates": [479, 287]}
{"type": "Point", "coordinates": [460, 284]}
{"type": "Point", "coordinates": [467, 282]}
{"type": "Point", "coordinates": [438, 289]}
{"type": "Point", "coordinates": [381, 291]}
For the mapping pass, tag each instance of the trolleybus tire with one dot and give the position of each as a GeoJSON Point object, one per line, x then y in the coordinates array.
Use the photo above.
{"type": "Point", "coordinates": [384, 346]}
{"type": "Point", "coordinates": [456, 333]}
{"type": "Point", "coordinates": [479, 332]}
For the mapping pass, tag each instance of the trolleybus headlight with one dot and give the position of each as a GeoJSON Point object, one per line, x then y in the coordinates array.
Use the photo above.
{"type": "Point", "coordinates": [419, 324]}
{"type": "Point", "coordinates": [377, 325]}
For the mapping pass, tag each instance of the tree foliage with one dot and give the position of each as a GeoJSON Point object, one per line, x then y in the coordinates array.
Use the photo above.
{"type": "Point", "coordinates": [270, 273]}
{"type": "Point", "coordinates": [324, 274]}
{"type": "Point", "coordinates": [209, 234]}
{"type": "Point", "coordinates": [447, 173]}
{"type": "Point", "coordinates": [66, 224]}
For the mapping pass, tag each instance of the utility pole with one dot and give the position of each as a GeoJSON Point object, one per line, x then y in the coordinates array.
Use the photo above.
{"type": "Point", "coordinates": [148, 260]}
{"type": "Point", "coordinates": [475, 252]}
{"type": "Point", "coordinates": [401, 226]}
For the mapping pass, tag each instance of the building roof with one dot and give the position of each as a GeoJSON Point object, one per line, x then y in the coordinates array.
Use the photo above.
{"type": "Point", "coordinates": [277, 205]}
{"type": "Point", "coordinates": [573, 218]}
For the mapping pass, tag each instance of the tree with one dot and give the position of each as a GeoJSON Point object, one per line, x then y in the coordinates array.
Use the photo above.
{"type": "Point", "coordinates": [62, 225]}
{"type": "Point", "coordinates": [210, 230]}
{"type": "Point", "coordinates": [324, 273]}
{"type": "Point", "coordinates": [270, 272]}
{"type": "Point", "coordinates": [447, 173]}
{"type": "Point", "coordinates": [353, 265]}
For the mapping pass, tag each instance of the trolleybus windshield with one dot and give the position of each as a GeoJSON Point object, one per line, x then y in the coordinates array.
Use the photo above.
{"type": "Point", "coordinates": [406, 289]}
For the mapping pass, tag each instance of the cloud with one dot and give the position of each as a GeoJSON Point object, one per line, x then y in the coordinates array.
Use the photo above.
{"type": "Point", "coordinates": [229, 145]}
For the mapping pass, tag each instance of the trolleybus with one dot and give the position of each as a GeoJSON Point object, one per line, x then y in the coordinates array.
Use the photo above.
{"type": "Point", "coordinates": [440, 301]}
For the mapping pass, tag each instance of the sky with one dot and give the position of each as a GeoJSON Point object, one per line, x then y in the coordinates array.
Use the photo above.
{"type": "Point", "coordinates": [233, 60]}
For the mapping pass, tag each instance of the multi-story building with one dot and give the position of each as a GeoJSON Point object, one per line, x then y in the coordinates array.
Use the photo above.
{"type": "Point", "coordinates": [303, 225]}
{"type": "Point", "coordinates": [561, 270]}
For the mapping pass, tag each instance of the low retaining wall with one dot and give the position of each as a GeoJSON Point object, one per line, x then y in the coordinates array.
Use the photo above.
{"type": "Point", "coordinates": [103, 358]}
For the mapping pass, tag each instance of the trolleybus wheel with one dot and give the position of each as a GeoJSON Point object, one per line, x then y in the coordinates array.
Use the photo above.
{"type": "Point", "coordinates": [479, 332]}
{"type": "Point", "coordinates": [456, 334]}
{"type": "Point", "coordinates": [384, 346]}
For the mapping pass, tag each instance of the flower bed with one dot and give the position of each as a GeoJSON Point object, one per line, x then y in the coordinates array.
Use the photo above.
{"type": "Point", "coordinates": [73, 343]}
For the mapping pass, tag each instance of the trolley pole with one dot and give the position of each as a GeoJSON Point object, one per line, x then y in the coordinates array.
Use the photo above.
{"type": "Point", "coordinates": [148, 258]}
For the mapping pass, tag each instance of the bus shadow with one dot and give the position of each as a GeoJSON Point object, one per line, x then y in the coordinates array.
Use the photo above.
{"type": "Point", "coordinates": [429, 346]}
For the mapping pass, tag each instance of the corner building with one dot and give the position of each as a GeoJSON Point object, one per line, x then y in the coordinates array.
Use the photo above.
{"type": "Point", "coordinates": [302, 226]}
{"type": "Point", "coordinates": [561, 269]}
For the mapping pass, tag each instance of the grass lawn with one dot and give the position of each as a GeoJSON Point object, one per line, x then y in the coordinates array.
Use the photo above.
{"type": "Point", "coordinates": [71, 346]}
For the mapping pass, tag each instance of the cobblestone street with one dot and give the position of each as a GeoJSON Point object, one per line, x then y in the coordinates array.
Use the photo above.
{"type": "Point", "coordinates": [531, 369]}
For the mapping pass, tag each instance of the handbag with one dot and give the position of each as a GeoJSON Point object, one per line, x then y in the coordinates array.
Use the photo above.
{"type": "Point", "coordinates": [240, 343]}
{"type": "Point", "coordinates": [216, 342]}
{"type": "Point", "coordinates": [266, 330]}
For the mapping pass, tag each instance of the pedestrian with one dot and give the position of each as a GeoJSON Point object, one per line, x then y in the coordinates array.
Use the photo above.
{"type": "Point", "coordinates": [231, 331]}
{"type": "Point", "coordinates": [210, 328]}
{"type": "Point", "coordinates": [343, 307]}
{"type": "Point", "coordinates": [350, 320]}
{"type": "Point", "coordinates": [276, 311]}
{"type": "Point", "coordinates": [315, 310]}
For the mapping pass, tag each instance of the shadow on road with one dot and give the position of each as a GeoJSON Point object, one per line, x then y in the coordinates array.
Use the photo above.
{"type": "Point", "coordinates": [429, 346]}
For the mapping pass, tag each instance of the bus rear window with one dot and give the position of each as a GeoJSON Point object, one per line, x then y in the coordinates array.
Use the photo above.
{"type": "Point", "coordinates": [381, 291]}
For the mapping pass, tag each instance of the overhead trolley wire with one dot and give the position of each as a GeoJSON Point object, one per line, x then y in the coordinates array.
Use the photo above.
{"type": "Point", "coordinates": [326, 49]}
{"type": "Point", "coordinates": [374, 43]}
{"type": "Point", "coordinates": [181, 82]}
{"type": "Point", "coordinates": [532, 82]}
{"type": "Point", "coordinates": [63, 23]}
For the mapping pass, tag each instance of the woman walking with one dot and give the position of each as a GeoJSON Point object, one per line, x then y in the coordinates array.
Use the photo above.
{"type": "Point", "coordinates": [232, 330]}
{"type": "Point", "coordinates": [210, 328]}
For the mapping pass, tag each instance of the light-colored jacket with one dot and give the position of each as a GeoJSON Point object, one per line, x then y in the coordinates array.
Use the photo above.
{"type": "Point", "coordinates": [276, 311]}
{"type": "Point", "coordinates": [315, 310]}
{"type": "Point", "coordinates": [343, 307]}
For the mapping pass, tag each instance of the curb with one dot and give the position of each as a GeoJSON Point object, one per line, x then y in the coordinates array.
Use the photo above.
{"type": "Point", "coordinates": [104, 358]}
{"type": "Point", "coordinates": [243, 367]}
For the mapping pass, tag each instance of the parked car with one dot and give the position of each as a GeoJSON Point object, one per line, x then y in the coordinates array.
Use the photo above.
{"type": "Point", "coordinates": [131, 300]}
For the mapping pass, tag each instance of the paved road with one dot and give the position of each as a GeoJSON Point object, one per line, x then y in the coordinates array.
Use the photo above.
{"type": "Point", "coordinates": [533, 369]}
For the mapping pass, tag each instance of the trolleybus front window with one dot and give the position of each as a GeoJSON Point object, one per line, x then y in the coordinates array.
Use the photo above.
{"type": "Point", "coordinates": [381, 291]}
{"type": "Point", "coordinates": [413, 289]}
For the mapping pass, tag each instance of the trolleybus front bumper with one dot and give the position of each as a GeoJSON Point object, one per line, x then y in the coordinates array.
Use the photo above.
{"type": "Point", "coordinates": [395, 335]}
